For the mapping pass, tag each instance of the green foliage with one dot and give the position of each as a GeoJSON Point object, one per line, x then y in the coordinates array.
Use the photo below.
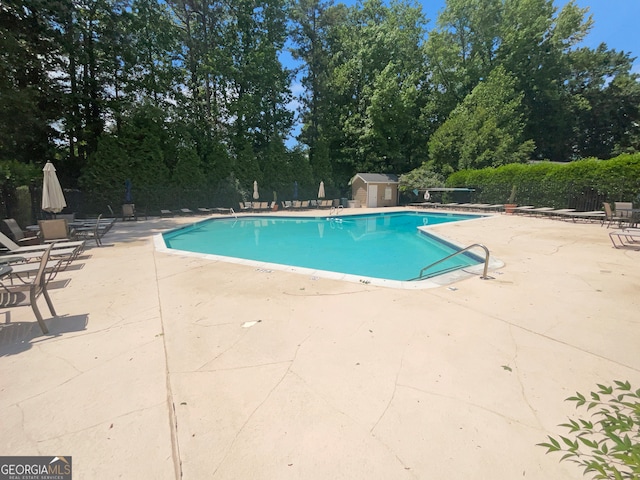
{"type": "Point", "coordinates": [187, 171]}
{"type": "Point", "coordinates": [15, 198]}
{"type": "Point", "coordinates": [137, 153]}
{"type": "Point", "coordinates": [553, 184]}
{"type": "Point", "coordinates": [492, 75]}
{"type": "Point", "coordinates": [606, 440]}
{"type": "Point", "coordinates": [534, 53]}
{"type": "Point", "coordinates": [17, 173]}
{"type": "Point", "coordinates": [375, 90]}
{"type": "Point", "coordinates": [229, 192]}
{"type": "Point", "coordinates": [29, 95]}
{"type": "Point", "coordinates": [420, 179]}
{"type": "Point", "coordinates": [484, 130]}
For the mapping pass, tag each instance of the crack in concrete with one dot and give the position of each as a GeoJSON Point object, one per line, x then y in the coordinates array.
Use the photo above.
{"type": "Point", "coordinates": [231, 369]}
{"type": "Point", "coordinates": [384, 412]}
{"type": "Point", "coordinates": [80, 373]}
{"type": "Point", "coordinates": [238, 340]}
{"type": "Point", "coordinates": [393, 394]}
{"type": "Point", "coordinates": [353, 420]}
{"type": "Point", "coordinates": [45, 352]}
{"type": "Point", "coordinates": [259, 406]}
{"type": "Point", "coordinates": [24, 428]}
{"type": "Point", "coordinates": [519, 378]}
{"type": "Point", "coordinates": [110, 421]}
{"type": "Point", "coordinates": [542, 335]}
{"type": "Point", "coordinates": [472, 404]}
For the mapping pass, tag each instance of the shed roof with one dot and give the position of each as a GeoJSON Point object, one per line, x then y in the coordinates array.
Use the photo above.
{"type": "Point", "coordinates": [376, 177]}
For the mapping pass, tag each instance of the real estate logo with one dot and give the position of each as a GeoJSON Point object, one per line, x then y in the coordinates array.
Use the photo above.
{"type": "Point", "coordinates": [35, 468]}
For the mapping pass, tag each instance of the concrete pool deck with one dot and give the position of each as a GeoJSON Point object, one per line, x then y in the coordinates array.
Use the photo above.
{"type": "Point", "coordinates": [166, 366]}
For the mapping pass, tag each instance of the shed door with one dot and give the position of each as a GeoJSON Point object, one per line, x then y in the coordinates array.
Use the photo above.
{"type": "Point", "coordinates": [372, 195]}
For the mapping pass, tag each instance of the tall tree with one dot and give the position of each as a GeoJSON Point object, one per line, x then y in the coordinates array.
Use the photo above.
{"type": "Point", "coordinates": [484, 130]}
{"type": "Point", "coordinates": [203, 94]}
{"type": "Point", "coordinates": [377, 90]}
{"type": "Point", "coordinates": [606, 103]}
{"type": "Point", "coordinates": [530, 38]}
{"type": "Point", "coordinates": [312, 20]}
{"type": "Point", "coordinates": [258, 86]}
{"type": "Point", "coordinates": [29, 95]}
{"type": "Point", "coordinates": [534, 44]}
{"type": "Point", "coordinates": [461, 50]}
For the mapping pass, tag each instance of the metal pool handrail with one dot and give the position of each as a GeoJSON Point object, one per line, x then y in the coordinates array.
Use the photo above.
{"type": "Point", "coordinates": [335, 210]}
{"type": "Point", "coordinates": [486, 261]}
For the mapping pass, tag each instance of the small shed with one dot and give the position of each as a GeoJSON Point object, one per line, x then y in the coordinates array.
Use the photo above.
{"type": "Point", "coordinates": [375, 189]}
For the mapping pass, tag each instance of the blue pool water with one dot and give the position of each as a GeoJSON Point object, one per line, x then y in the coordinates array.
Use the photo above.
{"type": "Point", "coordinates": [385, 245]}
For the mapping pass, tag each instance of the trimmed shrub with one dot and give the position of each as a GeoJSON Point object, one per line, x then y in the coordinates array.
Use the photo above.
{"type": "Point", "coordinates": [583, 184]}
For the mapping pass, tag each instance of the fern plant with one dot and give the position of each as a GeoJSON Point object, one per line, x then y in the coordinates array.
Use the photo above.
{"type": "Point", "coordinates": [607, 441]}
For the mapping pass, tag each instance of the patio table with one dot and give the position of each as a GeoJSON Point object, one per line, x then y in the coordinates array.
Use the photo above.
{"type": "Point", "coordinates": [632, 213]}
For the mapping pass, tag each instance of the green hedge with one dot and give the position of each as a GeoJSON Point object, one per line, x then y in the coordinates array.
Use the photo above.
{"type": "Point", "coordinates": [583, 184]}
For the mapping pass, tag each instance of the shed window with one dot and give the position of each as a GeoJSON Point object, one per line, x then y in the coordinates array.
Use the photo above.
{"type": "Point", "coordinates": [387, 193]}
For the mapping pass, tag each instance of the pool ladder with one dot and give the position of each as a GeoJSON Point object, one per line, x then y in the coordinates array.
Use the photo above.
{"type": "Point", "coordinates": [486, 261]}
{"type": "Point", "coordinates": [336, 210]}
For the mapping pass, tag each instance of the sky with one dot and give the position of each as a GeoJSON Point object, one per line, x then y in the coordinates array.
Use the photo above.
{"type": "Point", "coordinates": [614, 23]}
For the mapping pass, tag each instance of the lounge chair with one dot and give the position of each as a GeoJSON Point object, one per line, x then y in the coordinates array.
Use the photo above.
{"type": "Point", "coordinates": [104, 223]}
{"type": "Point", "coordinates": [475, 207]}
{"type": "Point", "coordinates": [539, 210]}
{"type": "Point", "coordinates": [15, 249]}
{"type": "Point", "coordinates": [56, 230]}
{"type": "Point", "coordinates": [166, 213]}
{"type": "Point", "coordinates": [69, 217]}
{"type": "Point", "coordinates": [95, 231]}
{"type": "Point", "coordinates": [68, 254]}
{"type": "Point", "coordinates": [623, 209]}
{"type": "Point", "coordinates": [222, 210]}
{"type": "Point", "coordinates": [587, 216]}
{"type": "Point", "coordinates": [558, 212]}
{"type": "Point", "coordinates": [23, 272]}
{"type": "Point", "coordinates": [204, 211]}
{"type": "Point", "coordinates": [626, 238]}
{"type": "Point", "coordinates": [129, 212]}
{"type": "Point", "coordinates": [64, 251]}
{"type": "Point", "coordinates": [12, 295]}
{"type": "Point", "coordinates": [610, 217]}
{"type": "Point", "coordinates": [495, 207]}
{"type": "Point", "coordinates": [465, 206]}
{"type": "Point", "coordinates": [11, 228]}
{"type": "Point", "coordinates": [186, 211]}
{"type": "Point", "coordinates": [523, 209]}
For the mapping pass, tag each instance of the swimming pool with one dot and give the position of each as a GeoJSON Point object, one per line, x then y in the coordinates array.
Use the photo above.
{"type": "Point", "coordinates": [387, 246]}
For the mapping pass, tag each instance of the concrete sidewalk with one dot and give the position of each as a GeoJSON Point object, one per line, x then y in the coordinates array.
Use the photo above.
{"type": "Point", "coordinates": [167, 366]}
